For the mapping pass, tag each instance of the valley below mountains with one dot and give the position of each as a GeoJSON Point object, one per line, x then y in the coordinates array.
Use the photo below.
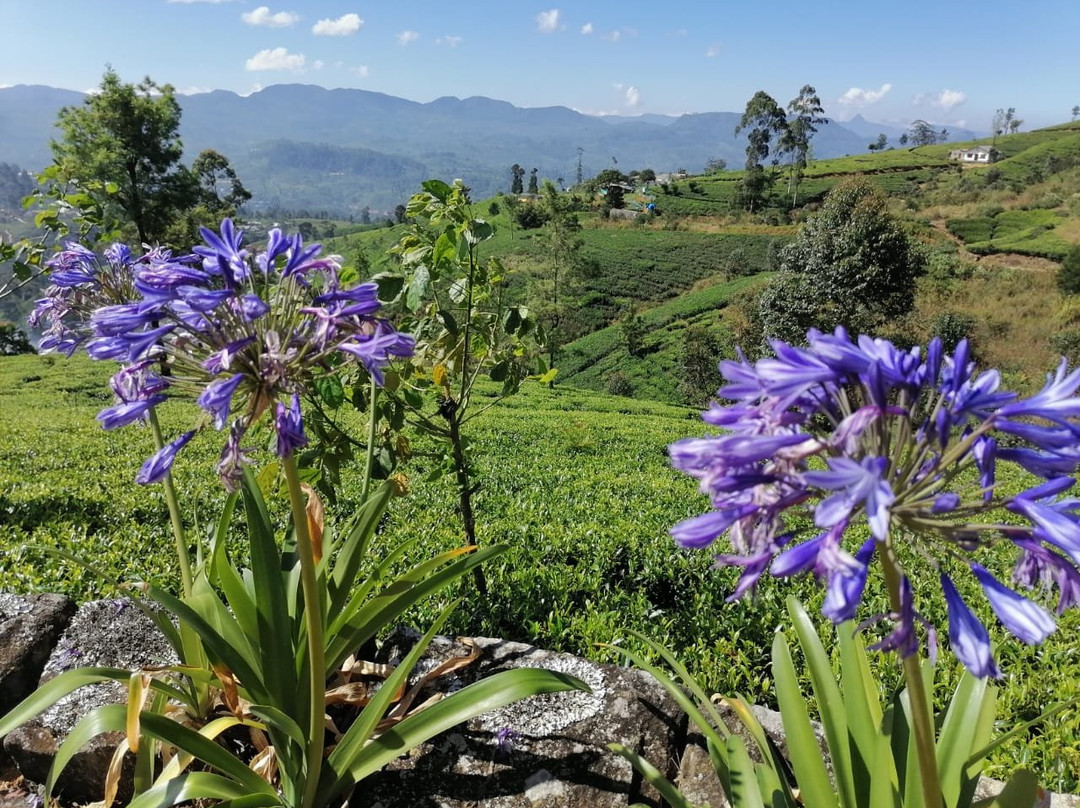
{"type": "Point", "coordinates": [305, 147]}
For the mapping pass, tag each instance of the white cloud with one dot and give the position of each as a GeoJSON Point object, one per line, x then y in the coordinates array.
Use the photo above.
{"type": "Point", "coordinates": [318, 64]}
{"type": "Point", "coordinates": [452, 41]}
{"type": "Point", "coordinates": [275, 59]}
{"type": "Point", "coordinates": [712, 51]}
{"type": "Point", "coordinates": [587, 28]}
{"type": "Point", "coordinates": [200, 1]}
{"type": "Point", "coordinates": [182, 90]}
{"type": "Point", "coordinates": [255, 88]}
{"type": "Point", "coordinates": [262, 16]}
{"type": "Point", "coordinates": [360, 70]}
{"type": "Point", "coordinates": [407, 37]}
{"type": "Point", "coordinates": [633, 97]}
{"type": "Point", "coordinates": [548, 21]}
{"type": "Point", "coordinates": [5, 86]}
{"type": "Point", "coordinates": [947, 99]}
{"type": "Point", "coordinates": [344, 25]}
{"type": "Point", "coordinates": [858, 97]}
{"type": "Point", "coordinates": [613, 36]}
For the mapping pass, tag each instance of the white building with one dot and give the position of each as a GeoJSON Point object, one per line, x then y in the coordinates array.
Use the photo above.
{"type": "Point", "coordinates": [975, 154]}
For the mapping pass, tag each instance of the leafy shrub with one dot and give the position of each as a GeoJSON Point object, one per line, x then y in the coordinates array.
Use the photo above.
{"type": "Point", "coordinates": [619, 384]}
{"type": "Point", "coordinates": [951, 327]}
{"type": "Point", "coordinates": [1067, 343]}
{"type": "Point", "coordinates": [1068, 276]}
{"type": "Point", "coordinates": [530, 217]}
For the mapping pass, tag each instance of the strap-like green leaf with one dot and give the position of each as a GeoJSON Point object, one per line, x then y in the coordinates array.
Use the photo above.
{"type": "Point", "coordinates": [201, 786]}
{"type": "Point", "coordinates": [218, 646]}
{"type": "Point", "coordinates": [354, 546]}
{"type": "Point", "coordinates": [1020, 730]}
{"type": "Point", "coordinates": [652, 774]}
{"type": "Point", "coordinates": [109, 718]}
{"type": "Point", "coordinates": [884, 792]}
{"type": "Point", "coordinates": [56, 688]}
{"type": "Point", "coordinates": [335, 777]}
{"type": "Point", "coordinates": [206, 750]}
{"type": "Point", "coordinates": [478, 698]}
{"type": "Point", "coordinates": [389, 605]}
{"type": "Point", "coordinates": [803, 747]}
{"type": "Point", "coordinates": [274, 635]}
{"type": "Point", "coordinates": [1019, 792]}
{"type": "Point", "coordinates": [744, 784]}
{"type": "Point", "coordinates": [861, 700]}
{"type": "Point", "coordinates": [956, 739]}
{"type": "Point", "coordinates": [830, 706]}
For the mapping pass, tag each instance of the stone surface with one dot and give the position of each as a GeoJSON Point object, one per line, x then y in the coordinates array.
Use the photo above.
{"type": "Point", "coordinates": [549, 750]}
{"type": "Point", "coordinates": [30, 626]}
{"type": "Point", "coordinates": [108, 633]}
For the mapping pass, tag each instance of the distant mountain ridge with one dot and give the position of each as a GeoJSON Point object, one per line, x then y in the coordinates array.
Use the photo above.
{"type": "Point", "coordinates": [352, 148]}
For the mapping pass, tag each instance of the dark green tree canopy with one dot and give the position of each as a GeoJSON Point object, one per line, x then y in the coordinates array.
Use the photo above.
{"type": "Point", "coordinates": [851, 265]}
{"type": "Point", "coordinates": [127, 135]}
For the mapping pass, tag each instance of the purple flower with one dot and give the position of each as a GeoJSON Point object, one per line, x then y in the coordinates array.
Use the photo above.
{"type": "Point", "coordinates": [159, 464]}
{"type": "Point", "coordinates": [846, 585]}
{"type": "Point", "coordinates": [848, 432]}
{"type": "Point", "coordinates": [237, 331]}
{"type": "Point", "coordinates": [1028, 621]}
{"type": "Point", "coordinates": [127, 412]}
{"type": "Point", "coordinates": [902, 639]}
{"type": "Point", "coordinates": [967, 636]}
{"type": "Point", "coordinates": [289, 427]}
{"type": "Point", "coordinates": [855, 483]}
{"type": "Point", "coordinates": [217, 398]}
{"type": "Point", "coordinates": [230, 466]}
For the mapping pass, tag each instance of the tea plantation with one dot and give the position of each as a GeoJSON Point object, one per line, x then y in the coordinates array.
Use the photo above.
{"type": "Point", "coordinates": [576, 484]}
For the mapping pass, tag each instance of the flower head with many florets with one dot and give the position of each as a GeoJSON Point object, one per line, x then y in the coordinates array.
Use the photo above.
{"type": "Point", "coordinates": [906, 442]}
{"type": "Point", "coordinates": [243, 334]}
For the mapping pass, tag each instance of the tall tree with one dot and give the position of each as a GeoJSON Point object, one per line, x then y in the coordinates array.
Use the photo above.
{"type": "Point", "coordinates": [534, 186]}
{"type": "Point", "coordinates": [1002, 119]}
{"type": "Point", "coordinates": [517, 186]}
{"type": "Point", "coordinates": [922, 133]}
{"type": "Point", "coordinates": [1014, 125]}
{"type": "Point", "coordinates": [1076, 112]}
{"type": "Point", "coordinates": [879, 144]}
{"type": "Point", "coordinates": [127, 135]}
{"type": "Point", "coordinates": [221, 190]}
{"type": "Point", "coordinates": [765, 120]}
{"type": "Point", "coordinates": [805, 113]}
{"type": "Point", "coordinates": [565, 261]}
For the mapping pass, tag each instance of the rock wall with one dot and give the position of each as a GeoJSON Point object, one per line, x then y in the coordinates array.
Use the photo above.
{"type": "Point", "coordinates": [542, 752]}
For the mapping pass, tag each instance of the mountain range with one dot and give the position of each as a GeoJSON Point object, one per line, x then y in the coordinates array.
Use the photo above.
{"type": "Point", "coordinates": [306, 147]}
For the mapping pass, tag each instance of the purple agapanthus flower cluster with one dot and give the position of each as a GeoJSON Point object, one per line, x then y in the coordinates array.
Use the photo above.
{"type": "Point", "coordinates": [242, 333]}
{"type": "Point", "coordinates": [907, 442]}
{"type": "Point", "coordinates": [81, 283]}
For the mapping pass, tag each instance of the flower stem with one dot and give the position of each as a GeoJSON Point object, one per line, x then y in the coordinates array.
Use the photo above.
{"type": "Point", "coordinates": [174, 510]}
{"type": "Point", "coordinates": [921, 708]}
{"type": "Point", "coordinates": [369, 463]}
{"type": "Point", "coordinates": [313, 618]}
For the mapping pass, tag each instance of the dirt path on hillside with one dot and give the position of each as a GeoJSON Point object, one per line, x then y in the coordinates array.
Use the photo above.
{"type": "Point", "coordinates": [1028, 263]}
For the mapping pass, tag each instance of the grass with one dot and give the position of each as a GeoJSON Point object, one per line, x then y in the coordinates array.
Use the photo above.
{"type": "Point", "coordinates": [576, 484]}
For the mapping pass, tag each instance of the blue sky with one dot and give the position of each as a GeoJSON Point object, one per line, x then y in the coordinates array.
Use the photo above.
{"type": "Point", "coordinates": [950, 63]}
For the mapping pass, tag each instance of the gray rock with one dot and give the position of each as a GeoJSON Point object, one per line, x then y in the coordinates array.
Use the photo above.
{"type": "Point", "coordinates": [30, 626]}
{"type": "Point", "coordinates": [110, 633]}
{"type": "Point", "coordinates": [549, 750]}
